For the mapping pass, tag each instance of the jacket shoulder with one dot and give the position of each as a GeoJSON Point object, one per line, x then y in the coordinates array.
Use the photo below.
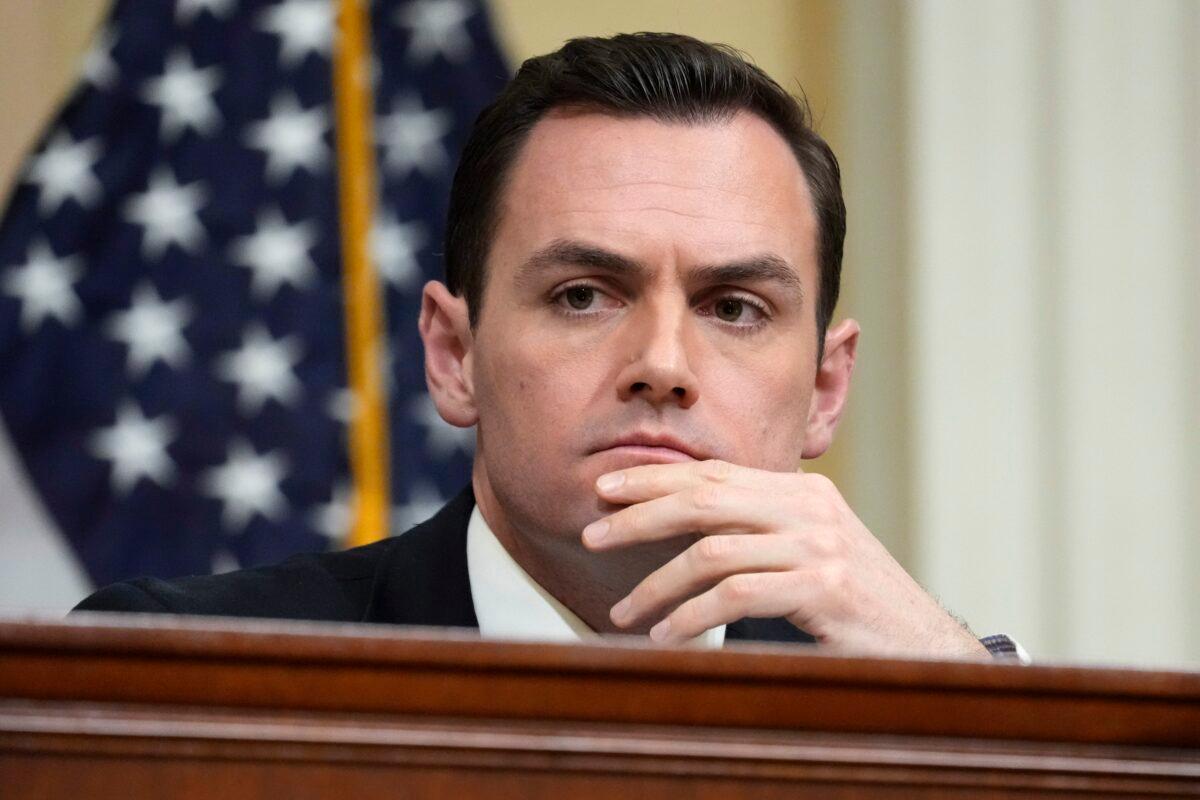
{"type": "Point", "coordinates": [417, 578]}
{"type": "Point", "coordinates": [314, 586]}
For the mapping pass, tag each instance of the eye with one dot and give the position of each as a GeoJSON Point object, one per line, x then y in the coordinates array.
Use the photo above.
{"type": "Point", "coordinates": [729, 309]}
{"type": "Point", "coordinates": [580, 298]}
{"type": "Point", "coordinates": [737, 311]}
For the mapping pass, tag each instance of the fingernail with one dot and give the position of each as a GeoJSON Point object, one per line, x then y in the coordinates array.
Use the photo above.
{"type": "Point", "coordinates": [660, 631]}
{"type": "Point", "coordinates": [609, 482]}
{"type": "Point", "coordinates": [621, 610]}
{"type": "Point", "coordinates": [595, 533]}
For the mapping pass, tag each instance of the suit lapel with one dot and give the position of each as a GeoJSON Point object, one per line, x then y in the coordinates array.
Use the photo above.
{"type": "Point", "coordinates": [424, 580]}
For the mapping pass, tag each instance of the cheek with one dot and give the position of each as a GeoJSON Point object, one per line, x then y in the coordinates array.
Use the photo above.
{"type": "Point", "coordinates": [533, 390]}
{"type": "Point", "coordinates": [769, 399]}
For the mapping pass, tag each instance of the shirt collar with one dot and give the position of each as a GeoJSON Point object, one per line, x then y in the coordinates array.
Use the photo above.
{"type": "Point", "coordinates": [511, 605]}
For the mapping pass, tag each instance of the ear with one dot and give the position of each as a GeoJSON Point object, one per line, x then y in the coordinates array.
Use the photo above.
{"type": "Point", "coordinates": [446, 334]}
{"type": "Point", "coordinates": [831, 388]}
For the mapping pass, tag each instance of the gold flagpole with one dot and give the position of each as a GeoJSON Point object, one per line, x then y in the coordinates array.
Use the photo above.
{"type": "Point", "coordinates": [369, 451]}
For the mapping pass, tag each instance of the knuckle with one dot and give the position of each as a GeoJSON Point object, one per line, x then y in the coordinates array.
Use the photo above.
{"type": "Point", "coordinates": [827, 546]}
{"type": "Point", "coordinates": [712, 550]}
{"type": "Point", "coordinates": [822, 508]}
{"type": "Point", "coordinates": [737, 589]}
{"type": "Point", "coordinates": [832, 579]}
{"type": "Point", "coordinates": [716, 471]}
{"type": "Point", "coordinates": [705, 497]}
{"type": "Point", "coordinates": [820, 484]}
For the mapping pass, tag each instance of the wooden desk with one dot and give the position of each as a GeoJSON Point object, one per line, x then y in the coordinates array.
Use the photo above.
{"type": "Point", "coordinates": [152, 706]}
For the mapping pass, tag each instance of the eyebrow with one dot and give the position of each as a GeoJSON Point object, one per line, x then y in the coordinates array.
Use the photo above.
{"type": "Point", "coordinates": [768, 268]}
{"type": "Point", "coordinates": [565, 252]}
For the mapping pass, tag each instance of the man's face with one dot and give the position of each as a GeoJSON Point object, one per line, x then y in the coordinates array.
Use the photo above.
{"type": "Point", "coordinates": [650, 298]}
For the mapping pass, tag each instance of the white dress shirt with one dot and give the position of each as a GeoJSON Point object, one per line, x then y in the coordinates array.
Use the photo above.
{"type": "Point", "coordinates": [511, 605]}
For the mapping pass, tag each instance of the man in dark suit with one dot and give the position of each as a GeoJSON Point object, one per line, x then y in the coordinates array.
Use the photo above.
{"type": "Point", "coordinates": [643, 254]}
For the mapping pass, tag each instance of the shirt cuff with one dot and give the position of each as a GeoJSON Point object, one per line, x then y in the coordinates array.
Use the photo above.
{"type": "Point", "coordinates": [1005, 648]}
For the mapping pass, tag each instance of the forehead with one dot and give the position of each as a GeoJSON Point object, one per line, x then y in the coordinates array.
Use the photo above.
{"type": "Point", "coordinates": [658, 191]}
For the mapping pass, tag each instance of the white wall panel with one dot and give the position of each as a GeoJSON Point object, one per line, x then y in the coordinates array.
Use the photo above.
{"type": "Point", "coordinates": [975, 129]}
{"type": "Point", "coordinates": [1128, 152]}
{"type": "Point", "coordinates": [1054, 180]}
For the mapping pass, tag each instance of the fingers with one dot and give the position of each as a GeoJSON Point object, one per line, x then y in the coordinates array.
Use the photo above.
{"type": "Point", "coordinates": [748, 594]}
{"type": "Point", "coordinates": [698, 509]}
{"type": "Point", "coordinates": [766, 538]}
{"type": "Point", "coordinates": [700, 567]}
{"type": "Point", "coordinates": [638, 484]}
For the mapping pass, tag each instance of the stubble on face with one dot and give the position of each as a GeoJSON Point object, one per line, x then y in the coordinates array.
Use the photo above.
{"type": "Point", "coordinates": [553, 390]}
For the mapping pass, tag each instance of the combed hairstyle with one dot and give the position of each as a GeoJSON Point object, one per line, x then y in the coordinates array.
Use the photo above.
{"type": "Point", "coordinates": [663, 76]}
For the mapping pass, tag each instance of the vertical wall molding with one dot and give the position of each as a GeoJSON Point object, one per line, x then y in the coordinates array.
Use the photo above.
{"type": "Point", "coordinates": [874, 439]}
{"type": "Point", "coordinates": [1128, 156]}
{"type": "Point", "coordinates": [1053, 177]}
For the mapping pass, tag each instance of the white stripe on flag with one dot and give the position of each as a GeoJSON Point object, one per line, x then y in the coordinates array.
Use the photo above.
{"type": "Point", "coordinates": [38, 569]}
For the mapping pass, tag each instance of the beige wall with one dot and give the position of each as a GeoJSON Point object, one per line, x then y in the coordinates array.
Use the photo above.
{"type": "Point", "coordinates": [790, 39]}
{"type": "Point", "coordinates": [41, 47]}
{"type": "Point", "coordinates": [1054, 193]}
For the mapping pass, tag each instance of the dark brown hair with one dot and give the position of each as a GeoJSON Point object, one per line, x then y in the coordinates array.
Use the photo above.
{"type": "Point", "coordinates": [663, 76]}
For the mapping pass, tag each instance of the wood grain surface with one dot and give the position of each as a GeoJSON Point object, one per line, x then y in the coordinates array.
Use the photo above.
{"type": "Point", "coordinates": [237, 708]}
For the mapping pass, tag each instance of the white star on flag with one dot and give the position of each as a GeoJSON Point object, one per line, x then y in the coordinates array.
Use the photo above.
{"type": "Point", "coordinates": [277, 253]}
{"type": "Point", "coordinates": [99, 69]}
{"type": "Point", "coordinates": [262, 369]}
{"type": "Point", "coordinates": [137, 448]}
{"type": "Point", "coordinates": [412, 137]}
{"type": "Point", "coordinates": [395, 246]}
{"type": "Point", "coordinates": [424, 501]}
{"type": "Point", "coordinates": [342, 405]}
{"type": "Point", "coordinates": [333, 519]}
{"type": "Point", "coordinates": [169, 214]}
{"type": "Point", "coordinates": [247, 484]}
{"type": "Point", "coordinates": [152, 330]}
{"type": "Point", "coordinates": [437, 27]}
{"type": "Point", "coordinates": [45, 287]}
{"type": "Point", "coordinates": [188, 10]}
{"type": "Point", "coordinates": [291, 137]}
{"type": "Point", "coordinates": [64, 170]}
{"type": "Point", "coordinates": [184, 94]}
{"type": "Point", "coordinates": [441, 438]}
{"type": "Point", "coordinates": [303, 26]}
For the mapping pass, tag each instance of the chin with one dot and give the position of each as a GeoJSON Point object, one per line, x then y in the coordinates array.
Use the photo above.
{"type": "Point", "coordinates": [552, 504]}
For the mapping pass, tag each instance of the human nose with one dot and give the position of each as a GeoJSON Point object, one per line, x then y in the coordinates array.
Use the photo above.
{"type": "Point", "coordinates": [659, 371]}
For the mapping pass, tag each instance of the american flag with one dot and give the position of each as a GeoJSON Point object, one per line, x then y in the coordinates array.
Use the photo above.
{"type": "Point", "coordinates": [172, 352]}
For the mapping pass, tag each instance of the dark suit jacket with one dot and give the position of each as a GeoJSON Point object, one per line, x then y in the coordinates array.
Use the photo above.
{"type": "Point", "coordinates": [418, 578]}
